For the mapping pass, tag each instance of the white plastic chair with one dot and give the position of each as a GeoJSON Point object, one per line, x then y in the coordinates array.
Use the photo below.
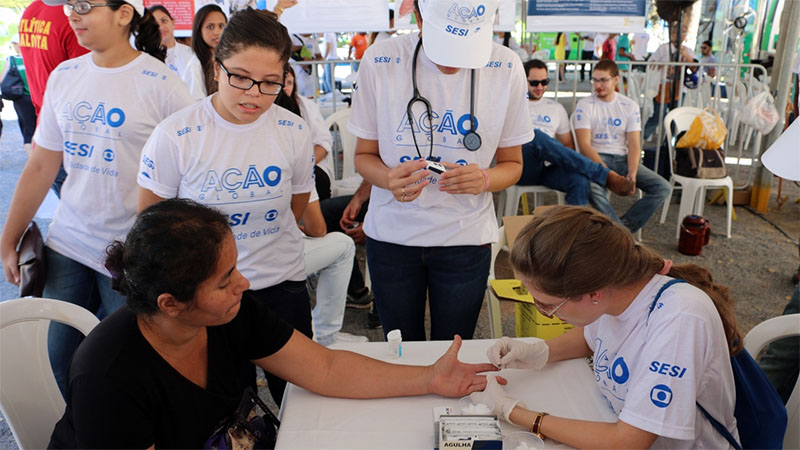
{"type": "Point", "coordinates": [347, 184]}
{"type": "Point", "coordinates": [29, 396]}
{"type": "Point", "coordinates": [756, 340]}
{"type": "Point", "coordinates": [511, 196]}
{"type": "Point", "coordinates": [493, 303]}
{"type": "Point", "coordinates": [693, 195]}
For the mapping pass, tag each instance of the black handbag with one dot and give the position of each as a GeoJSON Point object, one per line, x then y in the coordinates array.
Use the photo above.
{"type": "Point", "coordinates": [696, 162]}
{"type": "Point", "coordinates": [245, 428]}
{"type": "Point", "coordinates": [31, 262]}
{"type": "Point", "coordinates": [12, 87]}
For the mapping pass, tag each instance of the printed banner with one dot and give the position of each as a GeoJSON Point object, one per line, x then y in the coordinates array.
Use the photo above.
{"type": "Point", "coordinates": [321, 16]}
{"type": "Point", "coordinates": [182, 12]}
{"type": "Point", "coordinates": [606, 16]}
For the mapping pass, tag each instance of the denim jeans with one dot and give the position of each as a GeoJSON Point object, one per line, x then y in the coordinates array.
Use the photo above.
{"type": "Point", "coordinates": [780, 362]}
{"type": "Point", "coordinates": [651, 125]}
{"type": "Point", "coordinates": [568, 172]}
{"type": "Point", "coordinates": [73, 282]}
{"type": "Point", "coordinates": [656, 190]}
{"type": "Point", "coordinates": [332, 210]}
{"type": "Point", "coordinates": [327, 77]}
{"type": "Point", "coordinates": [454, 278]}
{"type": "Point", "coordinates": [59, 181]}
{"type": "Point", "coordinates": [290, 301]}
{"type": "Point", "coordinates": [332, 256]}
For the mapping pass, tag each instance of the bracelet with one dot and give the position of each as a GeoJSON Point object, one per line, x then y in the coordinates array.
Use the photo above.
{"type": "Point", "coordinates": [486, 179]}
{"type": "Point", "coordinates": [278, 10]}
{"type": "Point", "coordinates": [536, 426]}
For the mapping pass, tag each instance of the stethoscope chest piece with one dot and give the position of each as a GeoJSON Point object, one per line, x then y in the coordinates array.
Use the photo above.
{"type": "Point", "coordinates": [472, 141]}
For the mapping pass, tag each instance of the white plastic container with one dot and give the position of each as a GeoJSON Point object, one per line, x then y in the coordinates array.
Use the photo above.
{"type": "Point", "coordinates": [395, 338]}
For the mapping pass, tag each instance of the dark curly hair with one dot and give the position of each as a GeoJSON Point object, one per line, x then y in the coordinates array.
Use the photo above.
{"type": "Point", "coordinates": [173, 246]}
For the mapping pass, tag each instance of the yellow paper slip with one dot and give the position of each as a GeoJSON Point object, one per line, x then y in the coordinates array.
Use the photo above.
{"type": "Point", "coordinates": [511, 290]}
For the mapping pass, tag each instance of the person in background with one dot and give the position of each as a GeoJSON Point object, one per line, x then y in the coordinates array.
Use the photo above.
{"type": "Point", "coordinates": [46, 40]}
{"type": "Point", "coordinates": [320, 136]}
{"type": "Point", "coordinates": [180, 58]}
{"type": "Point", "coordinates": [609, 47]}
{"type": "Point", "coordinates": [120, 102]}
{"type": "Point", "coordinates": [708, 58]}
{"type": "Point", "coordinates": [329, 256]}
{"type": "Point", "coordinates": [254, 160]}
{"type": "Point", "coordinates": [376, 36]}
{"type": "Point", "coordinates": [640, 41]}
{"type": "Point", "coordinates": [209, 21]}
{"type": "Point", "coordinates": [165, 370]}
{"type": "Point", "coordinates": [550, 159]}
{"type": "Point", "coordinates": [305, 48]}
{"type": "Point", "coordinates": [26, 113]}
{"type": "Point", "coordinates": [608, 127]}
{"type": "Point", "coordinates": [329, 46]}
{"type": "Point", "coordinates": [587, 52]}
{"type": "Point", "coordinates": [599, 40]}
{"type": "Point", "coordinates": [661, 336]}
{"type": "Point", "coordinates": [562, 40]}
{"type": "Point", "coordinates": [358, 43]}
{"type": "Point", "coordinates": [429, 234]}
{"type": "Point", "coordinates": [624, 51]}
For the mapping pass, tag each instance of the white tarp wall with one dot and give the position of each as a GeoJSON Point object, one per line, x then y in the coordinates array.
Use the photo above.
{"type": "Point", "coordinates": [322, 16]}
{"type": "Point", "coordinates": [602, 16]}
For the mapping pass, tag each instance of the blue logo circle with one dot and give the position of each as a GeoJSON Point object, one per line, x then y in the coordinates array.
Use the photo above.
{"type": "Point", "coordinates": [115, 117]}
{"type": "Point", "coordinates": [619, 371]}
{"type": "Point", "coordinates": [480, 10]}
{"type": "Point", "coordinates": [617, 122]}
{"type": "Point", "coordinates": [108, 154]}
{"type": "Point", "coordinates": [462, 162]}
{"type": "Point", "coordinates": [271, 215]}
{"type": "Point", "coordinates": [661, 395]}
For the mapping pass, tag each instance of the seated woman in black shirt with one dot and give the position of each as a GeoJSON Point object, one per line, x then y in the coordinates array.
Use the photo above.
{"type": "Point", "coordinates": [165, 369]}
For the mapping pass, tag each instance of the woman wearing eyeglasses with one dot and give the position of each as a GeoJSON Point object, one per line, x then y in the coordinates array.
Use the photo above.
{"type": "Point", "coordinates": [660, 345]}
{"type": "Point", "coordinates": [98, 111]}
{"type": "Point", "coordinates": [254, 161]}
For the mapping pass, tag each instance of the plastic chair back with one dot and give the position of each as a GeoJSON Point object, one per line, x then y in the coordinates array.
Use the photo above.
{"type": "Point", "coordinates": [682, 119]}
{"type": "Point", "coordinates": [340, 118]}
{"type": "Point", "coordinates": [756, 340]}
{"type": "Point", "coordinates": [29, 396]}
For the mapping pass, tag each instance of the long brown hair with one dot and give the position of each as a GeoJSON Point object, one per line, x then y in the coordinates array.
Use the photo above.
{"type": "Point", "coordinates": [569, 251]}
{"type": "Point", "coordinates": [203, 51]}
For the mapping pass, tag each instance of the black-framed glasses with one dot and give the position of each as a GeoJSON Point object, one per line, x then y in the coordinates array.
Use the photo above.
{"type": "Point", "coordinates": [245, 83]}
{"type": "Point", "coordinates": [82, 7]}
{"type": "Point", "coordinates": [535, 83]}
{"type": "Point", "coordinates": [549, 311]}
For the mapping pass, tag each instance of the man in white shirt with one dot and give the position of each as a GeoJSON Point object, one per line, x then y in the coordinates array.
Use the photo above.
{"type": "Point", "coordinates": [555, 163]}
{"type": "Point", "coordinates": [608, 127]}
{"type": "Point", "coordinates": [308, 51]}
{"type": "Point", "coordinates": [640, 41]}
{"type": "Point", "coordinates": [330, 44]}
{"type": "Point", "coordinates": [588, 51]}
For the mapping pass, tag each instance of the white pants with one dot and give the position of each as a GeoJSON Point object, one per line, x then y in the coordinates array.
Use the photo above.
{"type": "Point", "coordinates": [331, 256]}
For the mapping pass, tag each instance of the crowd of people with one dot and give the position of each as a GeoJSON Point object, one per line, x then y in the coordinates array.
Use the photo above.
{"type": "Point", "coordinates": [196, 203]}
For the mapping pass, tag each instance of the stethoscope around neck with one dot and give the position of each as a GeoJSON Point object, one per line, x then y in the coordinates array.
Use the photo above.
{"type": "Point", "coordinates": [472, 140]}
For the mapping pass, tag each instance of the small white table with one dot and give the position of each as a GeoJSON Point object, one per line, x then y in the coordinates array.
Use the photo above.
{"type": "Point", "coordinates": [311, 421]}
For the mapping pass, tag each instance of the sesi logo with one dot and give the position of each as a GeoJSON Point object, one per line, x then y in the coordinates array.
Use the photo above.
{"type": "Point", "coordinates": [667, 369]}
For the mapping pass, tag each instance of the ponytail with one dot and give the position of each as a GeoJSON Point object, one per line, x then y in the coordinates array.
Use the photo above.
{"type": "Point", "coordinates": [148, 38]}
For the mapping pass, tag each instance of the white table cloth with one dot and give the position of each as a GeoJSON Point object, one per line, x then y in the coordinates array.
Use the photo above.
{"type": "Point", "coordinates": [311, 421]}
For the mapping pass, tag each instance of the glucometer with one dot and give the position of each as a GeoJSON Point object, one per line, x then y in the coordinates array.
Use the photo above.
{"type": "Point", "coordinates": [436, 167]}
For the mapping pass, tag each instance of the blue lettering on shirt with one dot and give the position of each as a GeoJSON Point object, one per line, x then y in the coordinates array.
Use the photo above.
{"type": "Point", "coordinates": [667, 369]}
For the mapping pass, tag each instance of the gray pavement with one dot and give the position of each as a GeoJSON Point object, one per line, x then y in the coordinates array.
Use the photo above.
{"type": "Point", "coordinates": [757, 262]}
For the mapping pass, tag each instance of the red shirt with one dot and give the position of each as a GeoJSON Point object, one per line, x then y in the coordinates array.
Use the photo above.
{"type": "Point", "coordinates": [360, 43]}
{"type": "Point", "coordinates": [45, 40]}
{"type": "Point", "coordinates": [610, 49]}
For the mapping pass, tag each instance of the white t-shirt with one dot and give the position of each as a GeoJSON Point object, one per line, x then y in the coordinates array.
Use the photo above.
{"type": "Point", "coordinates": [640, 41]}
{"type": "Point", "coordinates": [549, 116]}
{"type": "Point", "coordinates": [100, 119]}
{"type": "Point", "coordinates": [609, 121]}
{"type": "Point", "coordinates": [304, 81]}
{"type": "Point", "coordinates": [181, 60]}
{"type": "Point", "coordinates": [319, 134]}
{"type": "Point", "coordinates": [381, 36]}
{"type": "Point", "coordinates": [652, 370]}
{"type": "Point", "coordinates": [588, 42]}
{"type": "Point", "coordinates": [330, 38]}
{"type": "Point", "coordinates": [247, 171]}
{"type": "Point", "coordinates": [599, 40]}
{"type": "Point", "coordinates": [436, 218]}
{"type": "Point", "coordinates": [662, 53]}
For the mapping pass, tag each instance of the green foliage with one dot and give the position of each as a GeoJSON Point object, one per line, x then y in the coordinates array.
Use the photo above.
{"type": "Point", "coordinates": [16, 5]}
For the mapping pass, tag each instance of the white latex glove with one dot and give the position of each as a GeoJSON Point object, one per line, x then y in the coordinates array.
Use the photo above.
{"type": "Point", "coordinates": [494, 394]}
{"type": "Point", "coordinates": [511, 353]}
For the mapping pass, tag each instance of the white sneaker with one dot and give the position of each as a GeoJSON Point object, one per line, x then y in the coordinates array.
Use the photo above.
{"type": "Point", "coordinates": [347, 337]}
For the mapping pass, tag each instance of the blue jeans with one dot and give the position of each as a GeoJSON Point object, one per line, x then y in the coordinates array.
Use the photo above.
{"type": "Point", "coordinates": [403, 277]}
{"type": "Point", "coordinates": [332, 257]}
{"type": "Point", "coordinates": [59, 181]}
{"type": "Point", "coordinates": [73, 282]}
{"type": "Point", "coordinates": [569, 171]}
{"type": "Point", "coordinates": [656, 190]}
{"type": "Point", "coordinates": [327, 78]}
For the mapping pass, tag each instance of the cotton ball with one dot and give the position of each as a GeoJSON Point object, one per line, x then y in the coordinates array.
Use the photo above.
{"type": "Point", "coordinates": [477, 409]}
